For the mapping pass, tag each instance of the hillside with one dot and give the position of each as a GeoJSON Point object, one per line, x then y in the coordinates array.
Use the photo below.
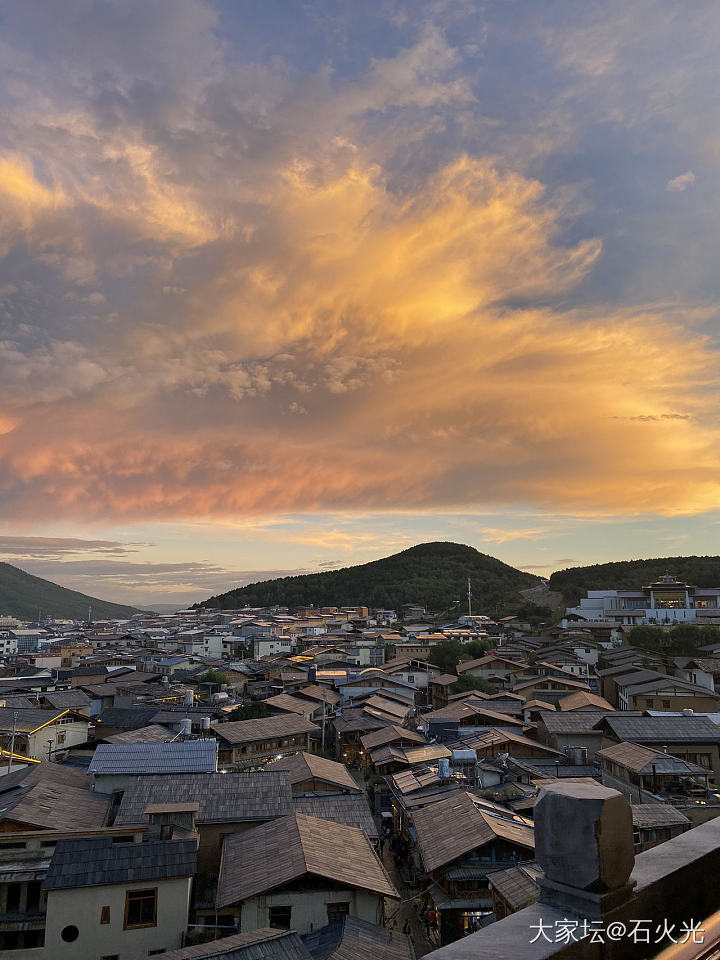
{"type": "Point", "coordinates": [574, 582]}
{"type": "Point", "coordinates": [433, 574]}
{"type": "Point", "coordinates": [23, 596]}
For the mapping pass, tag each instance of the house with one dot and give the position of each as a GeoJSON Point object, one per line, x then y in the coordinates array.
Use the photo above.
{"type": "Point", "coordinates": [469, 715]}
{"type": "Point", "coordinates": [114, 765]}
{"type": "Point", "coordinates": [226, 804]}
{"type": "Point", "coordinates": [691, 738]}
{"type": "Point", "coordinates": [308, 773]}
{"type": "Point", "coordinates": [572, 730]}
{"type": "Point", "coordinates": [460, 843]}
{"type": "Point", "coordinates": [658, 691]}
{"type": "Point", "coordinates": [489, 666]}
{"type": "Point", "coordinates": [439, 689]}
{"type": "Point", "coordinates": [351, 809]}
{"type": "Point", "coordinates": [49, 796]}
{"type": "Point", "coordinates": [301, 873]}
{"type": "Point", "coordinates": [123, 900]}
{"type": "Point", "coordinates": [393, 734]}
{"type": "Point", "coordinates": [514, 889]}
{"type": "Point", "coordinates": [42, 734]}
{"type": "Point", "coordinates": [647, 775]}
{"type": "Point", "coordinates": [653, 823]}
{"type": "Point", "coordinates": [248, 744]}
{"type": "Point", "coordinates": [351, 726]}
{"type": "Point", "coordinates": [371, 680]}
{"type": "Point", "coordinates": [583, 700]}
{"type": "Point", "coordinates": [550, 688]}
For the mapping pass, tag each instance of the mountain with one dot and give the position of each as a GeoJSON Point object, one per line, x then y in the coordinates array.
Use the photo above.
{"type": "Point", "coordinates": [432, 574]}
{"type": "Point", "coordinates": [574, 582]}
{"type": "Point", "coordinates": [25, 597]}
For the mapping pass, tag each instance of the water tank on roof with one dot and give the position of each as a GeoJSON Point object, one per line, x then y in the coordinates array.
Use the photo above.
{"type": "Point", "coordinates": [204, 723]}
{"type": "Point", "coordinates": [223, 686]}
{"type": "Point", "coordinates": [218, 697]}
{"type": "Point", "coordinates": [464, 756]}
{"type": "Point", "coordinates": [688, 712]}
{"type": "Point", "coordinates": [189, 698]}
{"type": "Point", "coordinates": [186, 726]}
{"type": "Point", "coordinates": [444, 768]}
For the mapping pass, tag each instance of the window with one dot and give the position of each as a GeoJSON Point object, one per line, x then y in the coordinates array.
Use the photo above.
{"type": "Point", "coordinates": [140, 908]}
{"type": "Point", "coordinates": [111, 956]}
{"type": "Point", "coordinates": [336, 911]}
{"type": "Point", "coordinates": [666, 703]}
{"type": "Point", "coordinates": [13, 898]}
{"type": "Point", "coordinates": [104, 914]}
{"type": "Point", "coordinates": [280, 917]}
{"type": "Point", "coordinates": [32, 902]}
{"type": "Point", "coordinates": [61, 738]}
{"type": "Point", "coordinates": [69, 934]}
{"type": "Point", "coordinates": [649, 703]}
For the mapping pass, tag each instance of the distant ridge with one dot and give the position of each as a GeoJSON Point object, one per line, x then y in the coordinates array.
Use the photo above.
{"type": "Point", "coordinates": [24, 596]}
{"type": "Point", "coordinates": [574, 582]}
{"type": "Point", "coordinates": [433, 574]}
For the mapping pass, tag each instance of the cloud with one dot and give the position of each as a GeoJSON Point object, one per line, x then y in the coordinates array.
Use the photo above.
{"type": "Point", "coordinates": [237, 285]}
{"type": "Point", "coordinates": [681, 182]}
{"type": "Point", "coordinates": [62, 546]}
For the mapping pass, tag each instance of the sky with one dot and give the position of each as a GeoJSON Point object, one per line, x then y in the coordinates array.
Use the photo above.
{"type": "Point", "coordinates": [288, 286]}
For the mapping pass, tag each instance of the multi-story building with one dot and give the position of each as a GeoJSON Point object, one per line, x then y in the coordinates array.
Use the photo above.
{"type": "Point", "coordinates": [665, 601]}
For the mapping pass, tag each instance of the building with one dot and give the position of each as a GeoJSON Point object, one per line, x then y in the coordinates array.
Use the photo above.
{"type": "Point", "coordinates": [124, 900]}
{"type": "Point", "coordinates": [301, 873]}
{"type": "Point", "coordinates": [665, 601]}
{"type": "Point", "coordinates": [42, 734]}
{"type": "Point", "coordinates": [248, 744]}
{"type": "Point", "coordinates": [115, 765]}
{"type": "Point", "coordinates": [309, 773]}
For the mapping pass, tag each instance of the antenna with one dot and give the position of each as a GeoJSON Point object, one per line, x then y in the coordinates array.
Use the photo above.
{"type": "Point", "coordinates": [469, 597]}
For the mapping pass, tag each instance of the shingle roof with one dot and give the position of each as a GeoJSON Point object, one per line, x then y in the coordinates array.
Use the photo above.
{"type": "Point", "coordinates": [391, 734]}
{"type": "Point", "coordinates": [48, 796]}
{"type": "Point", "coordinates": [355, 939]}
{"type": "Point", "coordinates": [450, 828]}
{"type": "Point", "coordinates": [290, 704]}
{"type": "Point", "coordinates": [188, 756]}
{"type": "Point", "coordinates": [580, 721]}
{"type": "Point", "coordinates": [275, 854]}
{"type": "Point", "coordinates": [98, 861]}
{"type": "Point", "coordinates": [244, 731]}
{"type": "Point", "coordinates": [307, 766]}
{"type": "Point", "coordinates": [222, 798]}
{"type": "Point", "coordinates": [154, 733]}
{"type": "Point", "coordinates": [25, 720]}
{"type": "Point", "coordinates": [645, 760]}
{"type": "Point", "coordinates": [518, 885]}
{"type": "Point", "coordinates": [648, 815]}
{"type": "Point", "coordinates": [129, 718]}
{"type": "Point", "coordinates": [66, 699]}
{"type": "Point", "coordinates": [262, 944]}
{"type": "Point", "coordinates": [352, 809]}
{"type": "Point", "coordinates": [656, 729]}
{"type": "Point", "coordinates": [581, 699]}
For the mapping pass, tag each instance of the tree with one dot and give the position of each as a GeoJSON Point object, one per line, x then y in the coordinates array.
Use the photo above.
{"type": "Point", "coordinates": [255, 710]}
{"type": "Point", "coordinates": [466, 682]}
{"type": "Point", "coordinates": [447, 654]}
{"type": "Point", "coordinates": [477, 648]}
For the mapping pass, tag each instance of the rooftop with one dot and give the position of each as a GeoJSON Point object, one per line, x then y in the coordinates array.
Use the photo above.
{"type": "Point", "coordinates": [275, 854]}
{"type": "Point", "coordinates": [98, 861]}
{"type": "Point", "coordinates": [187, 756]}
{"type": "Point", "coordinates": [307, 766]}
{"type": "Point", "coordinates": [245, 731]}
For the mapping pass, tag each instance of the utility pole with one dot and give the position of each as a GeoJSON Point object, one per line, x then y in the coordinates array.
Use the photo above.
{"type": "Point", "coordinates": [323, 721]}
{"type": "Point", "coordinates": [469, 598]}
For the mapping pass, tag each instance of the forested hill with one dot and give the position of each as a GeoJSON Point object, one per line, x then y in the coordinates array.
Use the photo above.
{"type": "Point", "coordinates": [433, 574]}
{"type": "Point", "coordinates": [574, 582]}
{"type": "Point", "coordinates": [26, 597]}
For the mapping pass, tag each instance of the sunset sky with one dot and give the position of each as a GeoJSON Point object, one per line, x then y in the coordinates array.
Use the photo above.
{"type": "Point", "coordinates": [292, 285]}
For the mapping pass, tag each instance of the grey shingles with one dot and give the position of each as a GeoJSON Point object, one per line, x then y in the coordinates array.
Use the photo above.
{"type": "Point", "coordinates": [352, 809]}
{"type": "Point", "coordinates": [222, 798]}
{"type": "Point", "coordinates": [656, 729]}
{"type": "Point", "coordinates": [188, 756]}
{"type": "Point", "coordinates": [98, 861]}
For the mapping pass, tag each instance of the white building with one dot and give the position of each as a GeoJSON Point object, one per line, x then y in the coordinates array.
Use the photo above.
{"type": "Point", "coordinates": [666, 601]}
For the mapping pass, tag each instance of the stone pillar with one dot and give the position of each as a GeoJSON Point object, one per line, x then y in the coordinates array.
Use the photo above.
{"type": "Point", "coordinates": [584, 844]}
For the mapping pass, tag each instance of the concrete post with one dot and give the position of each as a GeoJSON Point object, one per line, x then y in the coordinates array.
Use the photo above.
{"type": "Point", "coordinates": [584, 843]}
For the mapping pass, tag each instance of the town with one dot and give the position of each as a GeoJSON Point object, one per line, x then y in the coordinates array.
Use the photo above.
{"type": "Point", "coordinates": [340, 782]}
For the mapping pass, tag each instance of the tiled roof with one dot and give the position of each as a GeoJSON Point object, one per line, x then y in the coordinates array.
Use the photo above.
{"type": "Point", "coordinates": [517, 885]}
{"type": "Point", "coordinates": [450, 828]}
{"type": "Point", "coordinates": [355, 939]}
{"type": "Point", "coordinates": [153, 733]}
{"type": "Point", "coordinates": [188, 756]}
{"type": "Point", "coordinates": [574, 721]}
{"type": "Point", "coordinates": [245, 731]}
{"type": "Point", "coordinates": [25, 720]}
{"type": "Point", "coordinates": [126, 718]}
{"type": "Point", "coordinates": [67, 699]}
{"type": "Point", "coordinates": [307, 766]}
{"type": "Point", "coordinates": [262, 944]}
{"type": "Point", "coordinates": [222, 798]}
{"type": "Point", "coordinates": [352, 809]}
{"type": "Point", "coordinates": [649, 815]}
{"type": "Point", "coordinates": [284, 701]}
{"type": "Point", "coordinates": [656, 729]}
{"type": "Point", "coordinates": [391, 734]}
{"type": "Point", "coordinates": [52, 797]}
{"type": "Point", "coordinates": [98, 861]}
{"type": "Point", "coordinates": [275, 854]}
{"type": "Point", "coordinates": [582, 699]}
{"type": "Point", "coordinates": [645, 760]}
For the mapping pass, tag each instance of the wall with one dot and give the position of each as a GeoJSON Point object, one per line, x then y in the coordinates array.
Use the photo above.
{"type": "Point", "coordinates": [309, 908]}
{"type": "Point", "coordinates": [81, 907]}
